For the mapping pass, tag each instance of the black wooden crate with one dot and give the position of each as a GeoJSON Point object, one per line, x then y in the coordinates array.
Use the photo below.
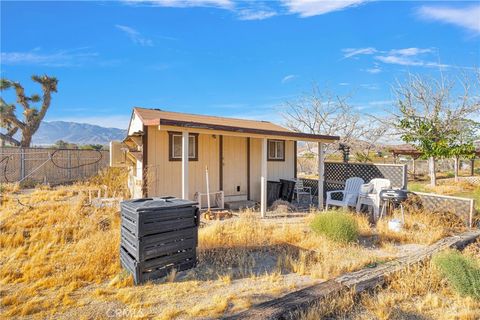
{"type": "Point", "coordinates": [143, 217]}
{"type": "Point", "coordinates": [157, 267]}
{"type": "Point", "coordinates": [160, 244]}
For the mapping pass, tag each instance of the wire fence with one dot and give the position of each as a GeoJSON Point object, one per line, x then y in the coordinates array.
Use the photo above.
{"type": "Point", "coordinates": [54, 166]}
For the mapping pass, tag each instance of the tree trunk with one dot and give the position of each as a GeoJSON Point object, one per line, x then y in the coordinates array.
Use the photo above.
{"type": "Point", "coordinates": [26, 139]}
{"type": "Point", "coordinates": [432, 173]}
{"type": "Point", "coordinates": [472, 167]}
{"type": "Point", "coordinates": [455, 168]}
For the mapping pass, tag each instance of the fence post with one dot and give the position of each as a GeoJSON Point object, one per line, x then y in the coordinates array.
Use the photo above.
{"type": "Point", "coordinates": [405, 176]}
{"type": "Point", "coordinates": [69, 159]}
{"type": "Point", "coordinates": [22, 163]}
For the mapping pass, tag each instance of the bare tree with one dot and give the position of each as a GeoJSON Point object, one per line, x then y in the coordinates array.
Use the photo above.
{"type": "Point", "coordinates": [322, 112]}
{"type": "Point", "coordinates": [371, 136]}
{"type": "Point", "coordinates": [32, 117]}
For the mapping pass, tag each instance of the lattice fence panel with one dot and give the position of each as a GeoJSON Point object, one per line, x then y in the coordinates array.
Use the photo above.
{"type": "Point", "coordinates": [337, 173]}
{"type": "Point", "coordinates": [462, 207]}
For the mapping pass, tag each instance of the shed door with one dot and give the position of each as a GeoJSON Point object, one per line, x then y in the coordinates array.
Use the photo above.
{"type": "Point", "coordinates": [235, 167]}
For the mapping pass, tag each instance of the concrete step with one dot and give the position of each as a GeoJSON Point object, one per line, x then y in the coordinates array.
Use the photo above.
{"type": "Point", "coordinates": [239, 205]}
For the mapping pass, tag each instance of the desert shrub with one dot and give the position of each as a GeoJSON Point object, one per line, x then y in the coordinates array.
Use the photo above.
{"type": "Point", "coordinates": [462, 272]}
{"type": "Point", "coordinates": [115, 179]}
{"type": "Point", "coordinates": [337, 226]}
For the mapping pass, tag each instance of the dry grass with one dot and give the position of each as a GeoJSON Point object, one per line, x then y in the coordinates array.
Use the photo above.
{"type": "Point", "coordinates": [320, 257]}
{"type": "Point", "coordinates": [52, 245]}
{"type": "Point", "coordinates": [451, 187]}
{"type": "Point", "coordinates": [418, 292]}
{"type": "Point", "coordinates": [421, 228]}
{"type": "Point", "coordinates": [59, 258]}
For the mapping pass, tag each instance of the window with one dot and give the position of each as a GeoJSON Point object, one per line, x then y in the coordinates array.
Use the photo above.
{"type": "Point", "coordinates": [276, 150]}
{"type": "Point", "coordinates": [175, 146]}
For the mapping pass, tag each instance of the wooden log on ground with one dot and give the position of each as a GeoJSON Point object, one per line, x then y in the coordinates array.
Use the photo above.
{"type": "Point", "coordinates": [358, 281]}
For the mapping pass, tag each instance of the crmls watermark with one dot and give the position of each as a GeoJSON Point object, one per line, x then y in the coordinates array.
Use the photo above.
{"type": "Point", "coordinates": [124, 313]}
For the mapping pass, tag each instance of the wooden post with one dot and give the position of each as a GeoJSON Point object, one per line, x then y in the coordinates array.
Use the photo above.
{"type": "Point", "coordinates": [320, 175]}
{"type": "Point", "coordinates": [22, 164]}
{"type": "Point", "coordinates": [185, 165]}
{"type": "Point", "coordinates": [472, 167]}
{"type": "Point", "coordinates": [69, 159]}
{"type": "Point", "coordinates": [413, 167]}
{"type": "Point", "coordinates": [263, 179]}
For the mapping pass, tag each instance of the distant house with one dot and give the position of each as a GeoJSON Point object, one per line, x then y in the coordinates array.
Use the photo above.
{"type": "Point", "coordinates": [168, 152]}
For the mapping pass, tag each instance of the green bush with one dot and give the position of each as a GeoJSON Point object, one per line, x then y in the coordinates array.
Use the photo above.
{"type": "Point", "coordinates": [335, 225]}
{"type": "Point", "coordinates": [463, 273]}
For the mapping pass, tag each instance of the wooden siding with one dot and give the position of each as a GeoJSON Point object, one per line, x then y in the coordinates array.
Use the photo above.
{"type": "Point", "coordinates": [276, 169]}
{"type": "Point", "coordinates": [136, 124]}
{"type": "Point", "coordinates": [234, 166]}
{"type": "Point", "coordinates": [165, 176]}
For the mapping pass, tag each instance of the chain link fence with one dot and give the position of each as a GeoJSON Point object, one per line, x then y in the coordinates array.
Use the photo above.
{"type": "Point", "coordinates": [47, 165]}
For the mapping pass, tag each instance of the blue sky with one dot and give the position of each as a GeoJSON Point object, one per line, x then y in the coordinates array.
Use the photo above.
{"type": "Point", "coordinates": [231, 58]}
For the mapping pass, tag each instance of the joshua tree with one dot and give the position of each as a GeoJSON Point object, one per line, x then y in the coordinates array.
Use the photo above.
{"type": "Point", "coordinates": [32, 117]}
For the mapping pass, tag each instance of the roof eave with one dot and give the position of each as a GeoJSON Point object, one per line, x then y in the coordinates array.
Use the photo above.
{"type": "Point", "coordinates": [205, 126]}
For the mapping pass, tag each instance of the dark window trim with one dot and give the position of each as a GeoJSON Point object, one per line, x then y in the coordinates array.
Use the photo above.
{"type": "Point", "coordinates": [268, 153]}
{"type": "Point", "coordinates": [170, 142]}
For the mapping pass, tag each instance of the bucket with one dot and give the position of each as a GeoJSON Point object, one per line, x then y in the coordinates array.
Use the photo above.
{"type": "Point", "coordinates": [395, 225]}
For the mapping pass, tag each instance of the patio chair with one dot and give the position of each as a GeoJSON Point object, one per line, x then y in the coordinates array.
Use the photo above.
{"type": "Point", "coordinates": [370, 194]}
{"type": "Point", "coordinates": [349, 194]}
{"type": "Point", "coordinates": [301, 190]}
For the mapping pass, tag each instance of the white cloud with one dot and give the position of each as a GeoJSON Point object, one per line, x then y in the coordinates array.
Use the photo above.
{"type": "Point", "coordinates": [410, 51]}
{"type": "Point", "coordinates": [225, 4]}
{"type": "Point", "coordinates": [309, 8]}
{"type": "Point", "coordinates": [251, 14]}
{"type": "Point", "coordinates": [344, 84]}
{"type": "Point", "coordinates": [409, 57]}
{"type": "Point", "coordinates": [351, 52]}
{"type": "Point", "coordinates": [467, 17]}
{"type": "Point", "coordinates": [369, 86]}
{"type": "Point", "coordinates": [135, 36]}
{"type": "Point", "coordinates": [59, 58]}
{"type": "Point", "coordinates": [404, 56]}
{"type": "Point", "coordinates": [288, 78]}
{"type": "Point", "coordinates": [381, 102]}
{"type": "Point", "coordinates": [398, 59]}
{"type": "Point", "coordinates": [253, 10]}
{"type": "Point", "coordinates": [374, 70]}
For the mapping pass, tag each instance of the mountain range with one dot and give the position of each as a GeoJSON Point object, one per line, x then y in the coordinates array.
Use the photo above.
{"type": "Point", "coordinates": [73, 132]}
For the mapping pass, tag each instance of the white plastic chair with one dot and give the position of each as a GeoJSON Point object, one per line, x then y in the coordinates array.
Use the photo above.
{"type": "Point", "coordinates": [349, 194]}
{"type": "Point", "coordinates": [372, 198]}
